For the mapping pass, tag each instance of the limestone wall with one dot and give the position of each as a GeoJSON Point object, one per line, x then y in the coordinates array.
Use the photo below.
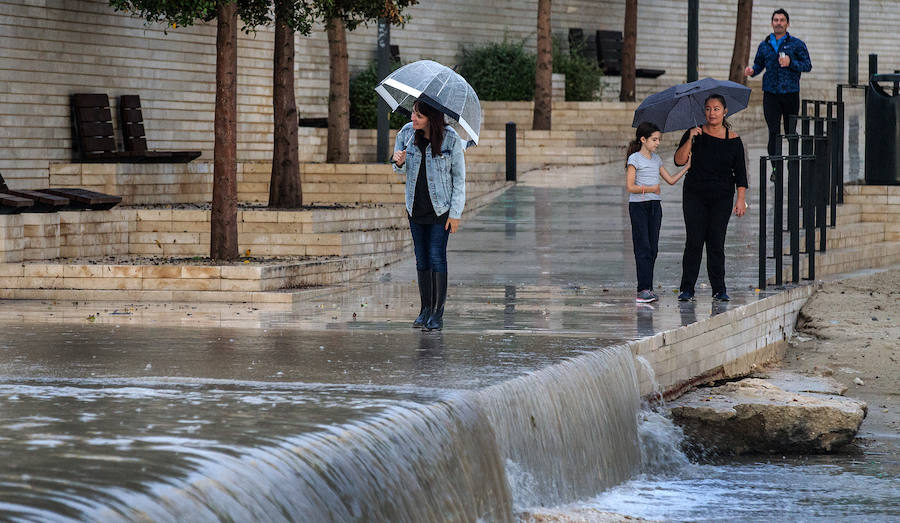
{"type": "Point", "coordinates": [185, 233]}
{"type": "Point", "coordinates": [732, 343]}
{"type": "Point", "coordinates": [322, 183]}
{"type": "Point", "coordinates": [54, 48]}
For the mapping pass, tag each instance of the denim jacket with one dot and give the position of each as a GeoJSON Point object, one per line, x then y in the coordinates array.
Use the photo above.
{"type": "Point", "coordinates": [780, 80]}
{"type": "Point", "coordinates": [446, 172]}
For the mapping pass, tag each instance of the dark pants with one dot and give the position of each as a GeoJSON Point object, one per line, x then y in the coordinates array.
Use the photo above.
{"type": "Point", "coordinates": [777, 108]}
{"type": "Point", "coordinates": [646, 219]}
{"type": "Point", "coordinates": [430, 245]}
{"type": "Point", "coordinates": [705, 221]}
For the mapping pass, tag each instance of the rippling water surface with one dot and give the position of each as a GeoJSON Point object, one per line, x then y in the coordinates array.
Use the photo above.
{"type": "Point", "coordinates": [860, 484]}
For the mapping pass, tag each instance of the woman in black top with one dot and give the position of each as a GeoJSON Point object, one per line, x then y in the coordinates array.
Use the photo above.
{"type": "Point", "coordinates": [717, 167]}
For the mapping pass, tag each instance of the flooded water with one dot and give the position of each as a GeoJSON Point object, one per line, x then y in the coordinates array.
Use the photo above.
{"type": "Point", "coordinates": [861, 483]}
{"type": "Point", "coordinates": [337, 411]}
{"type": "Point", "coordinates": [105, 422]}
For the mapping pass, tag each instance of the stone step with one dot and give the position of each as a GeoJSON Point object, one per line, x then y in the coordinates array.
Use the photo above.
{"type": "Point", "coordinates": [271, 285]}
{"type": "Point", "coordinates": [844, 236]}
{"type": "Point", "coordinates": [838, 261]}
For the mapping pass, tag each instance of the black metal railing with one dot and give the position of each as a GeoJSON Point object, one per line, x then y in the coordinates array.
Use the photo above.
{"type": "Point", "coordinates": [814, 182]}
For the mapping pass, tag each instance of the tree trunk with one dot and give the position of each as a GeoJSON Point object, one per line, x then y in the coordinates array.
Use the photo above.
{"type": "Point", "coordinates": [629, 51]}
{"type": "Point", "coordinates": [284, 185]}
{"type": "Point", "coordinates": [740, 56]}
{"type": "Point", "coordinates": [338, 150]}
{"type": "Point", "coordinates": [223, 243]}
{"type": "Point", "coordinates": [543, 75]}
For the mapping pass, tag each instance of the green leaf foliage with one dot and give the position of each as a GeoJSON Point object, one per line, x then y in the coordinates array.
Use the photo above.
{"type": "Point", "coordinates": [355, 12]}
{"type": "Point", "coordinates": [583, 75]}
{"type": "Point", "coordinates": [364, 100]}
{"type": "Point", "coordinates": [298, 14]}
{"type": "Point", "coordinates": [499, 71]}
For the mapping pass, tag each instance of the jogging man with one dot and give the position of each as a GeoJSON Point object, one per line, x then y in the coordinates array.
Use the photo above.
{"type": "Point", "coordinates": [783, 57]}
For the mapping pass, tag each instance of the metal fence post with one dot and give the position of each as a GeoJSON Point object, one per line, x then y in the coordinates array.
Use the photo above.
{"type": "Point", "coordinates": [808, 188]}
{"type": "Point", "coordinates": [510, 151]}
{"type": "Point", "coordinates": [793, 204]}
{"type": "Point", "coordinates": [778, 218]}
{"type": "Point", "coordinates": [762, 222]}
{"type": "Point", "coordinates": [836, 168]}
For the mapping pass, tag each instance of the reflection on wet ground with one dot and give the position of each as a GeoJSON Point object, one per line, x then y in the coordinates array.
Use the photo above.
{"type": "Point", "coordinates": [100, 398]}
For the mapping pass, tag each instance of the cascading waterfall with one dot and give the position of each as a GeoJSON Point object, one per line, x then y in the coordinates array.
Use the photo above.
{"type": "Point", "coordinates": [435, 462]}
{"type": "Point", "coordinates": [569, 430]}
{"type": "Point", "coordinates": [553, 436]}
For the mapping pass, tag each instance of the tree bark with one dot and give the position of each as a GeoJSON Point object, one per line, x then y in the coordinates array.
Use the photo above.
{"type": "Point", "coordinates": [543, 75]}
{"type": "Point", "coordinates": [740, 56]}
{"type": "Point", "coordinates": [284, 185]}
{"type": "Point", "coordinates": [629, 51]}
{"type": "Point", "coordinates": [223, 243]}
{"type": "Point", "coordinates": [338, 149]}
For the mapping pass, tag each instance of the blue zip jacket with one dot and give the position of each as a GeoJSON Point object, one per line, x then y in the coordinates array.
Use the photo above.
{"type": "Point", "coordinates": [780, 80]}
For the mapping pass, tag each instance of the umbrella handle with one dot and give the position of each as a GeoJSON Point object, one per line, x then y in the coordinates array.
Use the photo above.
{"type": "Point", "coordinates": [408, 142]}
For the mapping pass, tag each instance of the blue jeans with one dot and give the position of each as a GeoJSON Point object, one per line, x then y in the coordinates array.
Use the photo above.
{"type": "Point", "coordinates": [430, 244]}
{"type": "Point", "coordinates": [646, 220]}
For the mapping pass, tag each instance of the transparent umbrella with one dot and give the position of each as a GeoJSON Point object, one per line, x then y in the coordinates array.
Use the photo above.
{"type": "Point", "coordinates": [438, 86]}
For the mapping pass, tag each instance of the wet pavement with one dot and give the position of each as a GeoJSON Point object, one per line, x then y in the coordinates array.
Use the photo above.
{"type": "Point", "coordinates": [543, 272]}
{"type": "Point", "coordinates": [105, 403]}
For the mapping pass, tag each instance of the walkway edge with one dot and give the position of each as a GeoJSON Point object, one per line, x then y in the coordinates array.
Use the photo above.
{"type": "Point", "coordinates": [729, 344]}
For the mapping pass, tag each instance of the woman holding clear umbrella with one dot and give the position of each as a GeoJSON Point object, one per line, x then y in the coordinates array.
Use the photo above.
{"type": "Point", "coordinates": [430, 153]}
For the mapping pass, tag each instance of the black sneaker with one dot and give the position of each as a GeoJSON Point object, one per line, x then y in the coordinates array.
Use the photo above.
{"type": "Point", "coordinates": [686, 296]}
{"type": "Point", "coordinates": [721, 296]}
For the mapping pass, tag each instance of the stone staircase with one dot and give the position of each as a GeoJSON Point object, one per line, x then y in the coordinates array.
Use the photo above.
{"type": "Point", "coordinates": [866, 234]}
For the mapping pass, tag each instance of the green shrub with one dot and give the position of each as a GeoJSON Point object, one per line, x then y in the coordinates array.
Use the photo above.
{"type": "Point", "coordinates": [364, 101]}
{"type": "Point", "coordinates": [499, 71]}
{"type": "Point", "coordinates": [582, 74]}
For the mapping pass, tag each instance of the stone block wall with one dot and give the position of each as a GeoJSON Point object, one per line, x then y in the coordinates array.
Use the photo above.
{"type": "Point", "coordinates": [879, 204]}
{"type": "Point", "coordinates": [41, 235]}
{"type": "Point", "coordinates": [94, 233]}
{"type": "Point", "coordinates": [12, 238]}
{"type": "Point", "coordinates": [55, 48]}
{"type": "Point", "coordinates": [141, 184]}
{"type": "Point", "coordinates": [732, 343]}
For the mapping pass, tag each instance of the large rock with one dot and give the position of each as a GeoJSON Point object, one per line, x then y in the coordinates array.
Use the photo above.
{"type": "Point", "coordinates": [754, 415]}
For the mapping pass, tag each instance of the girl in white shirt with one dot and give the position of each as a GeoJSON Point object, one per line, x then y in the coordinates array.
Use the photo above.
{"type": "Point", "coordinates": [642, 172]}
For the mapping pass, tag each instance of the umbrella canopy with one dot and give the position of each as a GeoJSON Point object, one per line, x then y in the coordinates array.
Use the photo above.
{"type": "Point", "coordinates": [438, 86]}
{"type": "Point", "coordinates": [681, 106]}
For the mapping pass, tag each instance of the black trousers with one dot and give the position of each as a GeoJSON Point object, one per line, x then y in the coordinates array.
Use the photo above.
{"type": "Point", "coordinates": [705, 220]}
{"type": "Point", "coordinates": [777, 108]}
{"type": "Point", "coordinates": [646, 220]}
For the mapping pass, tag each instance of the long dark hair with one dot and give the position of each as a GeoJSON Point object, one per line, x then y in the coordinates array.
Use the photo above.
{"type": "Point", "coordinates": [435, 125]}
{"type": "Point", "coordinates": [720, 99]}
{"type": "Point", "coordinates": [644, 130]}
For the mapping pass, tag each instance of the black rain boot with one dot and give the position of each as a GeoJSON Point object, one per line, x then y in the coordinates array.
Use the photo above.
{"type": "Point", "coordinates": [436, 320]}
{"type": "Point", "coordinates": [426, 297]}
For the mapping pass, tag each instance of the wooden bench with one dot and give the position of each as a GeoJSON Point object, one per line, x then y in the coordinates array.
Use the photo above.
{"type": "Point", "coordinates": [135, 139]}
{"type": "Point", "coordinates": [606, 48]}
{"type": "Point", "coordinates": [41, 201]}
{"type": "Point", "coordinates": [320, 123]}
{"type": "Point", "coordinates": [609, 56]}
{"type": "Point", "coordinates": [10, 204]}
{"type": "Point", "coordinates": [95, 140]}
{"type": "Point", "coordinates": [80, 199]}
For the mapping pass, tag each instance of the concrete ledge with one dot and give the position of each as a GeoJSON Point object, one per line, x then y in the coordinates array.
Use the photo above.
{"type": "Point", "coordinates": [732, 343]}
{"type": "Point", "coordinates": [346, 243]}
{"type": "Point", "coordinates": [193, 283]}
